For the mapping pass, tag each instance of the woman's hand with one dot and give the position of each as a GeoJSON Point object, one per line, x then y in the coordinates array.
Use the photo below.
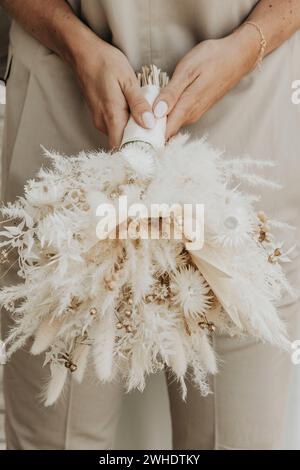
{"type": "Point", "coordinates": [107, 80]}
{"type": "Point", "coordinates": [111, 89]}
{"type": "Point", "coordinates": [204, 75]}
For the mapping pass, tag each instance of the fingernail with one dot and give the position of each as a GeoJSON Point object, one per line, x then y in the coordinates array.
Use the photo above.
{"type": "Point", "coordinates": [149, 120]}
{"type": "Point", "coordinates": [161, 109]}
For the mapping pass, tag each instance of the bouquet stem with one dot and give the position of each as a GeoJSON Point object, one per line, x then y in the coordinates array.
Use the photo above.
{"type": "Point", "coordinates": [151, 80]}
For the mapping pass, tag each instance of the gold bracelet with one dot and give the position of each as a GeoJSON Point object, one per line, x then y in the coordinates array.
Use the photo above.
{"type": "Point", "coordinates": [263, 44]}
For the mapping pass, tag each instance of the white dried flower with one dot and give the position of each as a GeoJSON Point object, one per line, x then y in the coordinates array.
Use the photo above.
{"type": "Point", "coordinates": [190, 292]}
{"type": "Point", "coordinates": [44, 193]}
{"type": "Point", "coordinates": [233, 225]}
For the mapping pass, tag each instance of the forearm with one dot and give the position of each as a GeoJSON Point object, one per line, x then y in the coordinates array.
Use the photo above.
{"type": "Point", "coordinates": [53, 23]}
{"type": "Point", "coordinates": [277, 19]}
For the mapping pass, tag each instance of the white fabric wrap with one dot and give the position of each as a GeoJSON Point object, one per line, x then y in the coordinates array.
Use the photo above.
{"type": "Point", "coordinates": [135, 133]}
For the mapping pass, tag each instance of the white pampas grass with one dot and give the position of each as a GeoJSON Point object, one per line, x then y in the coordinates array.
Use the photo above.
{"type": "Point", "coordinates": [44, 336]}
{"type": "Point", "coordinates": [177, 360]}
{"type": "Point", "coordinates": [207, 355]}
{"type": "Point", "coordinates": [80, 358]}
{"type": "Point", "coordinates": [3, 355]}
{"type": "Point", "coordinates": [142, 169]}
{"type": "Point", "coordinates": [103, 350]}
{"type": "Point", "coordinates": [56, 384]}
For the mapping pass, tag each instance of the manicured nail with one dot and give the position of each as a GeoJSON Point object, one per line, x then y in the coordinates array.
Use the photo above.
{"type": "Point", "coordinates": [149, 120]}
{"type": "Point", "coordinates": [161, 109]}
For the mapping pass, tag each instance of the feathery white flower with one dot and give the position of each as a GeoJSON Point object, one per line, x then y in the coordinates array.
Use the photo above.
{"type": "Point", "coordinates": [43, 193]}
{"type": "Point", "coordinates": [142, 167]}
{"type": "Point", "coordinates": [233, 225]}
{"type": "Point", "coordinates": [190, 292]}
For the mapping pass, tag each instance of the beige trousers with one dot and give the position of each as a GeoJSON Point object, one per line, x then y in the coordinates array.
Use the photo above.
{"type": "Point", "coordinates": [44, 106]}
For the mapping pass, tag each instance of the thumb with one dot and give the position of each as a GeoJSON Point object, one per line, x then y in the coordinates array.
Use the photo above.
{"type": "Point", "coordinates": [169, 96]}
{"type": "Point", "coordinates": [140, 109]}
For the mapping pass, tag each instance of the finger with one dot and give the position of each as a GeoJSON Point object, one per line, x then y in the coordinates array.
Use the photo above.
{"type": "Point", "coordinates": [96, 113]}
{"type": "Point", "coordinates": [184, 112]}
{"type": "Point", "coordinates": [115, 114]}
{"type": "Point", "coordinates": [99, 123]}
{"type": "Point", "coordinates": [169, 95]}
{"type": "Point", "coordinates": [140, 109]}
{"type": "Point", "coordinates": [116, 123]}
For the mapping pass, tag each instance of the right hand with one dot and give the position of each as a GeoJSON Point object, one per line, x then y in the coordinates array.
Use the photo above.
{"type": "Point", "coordinates": [111, 89]}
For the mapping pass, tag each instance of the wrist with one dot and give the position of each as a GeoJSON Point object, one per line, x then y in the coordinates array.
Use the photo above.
{"type": "Point", "coordinates": [247, 45]}
{"type": "Point", "coordinates": [75, 39]}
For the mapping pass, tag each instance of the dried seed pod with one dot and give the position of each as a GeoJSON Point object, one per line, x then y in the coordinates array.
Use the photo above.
{"type": "Point", "coordinates": [73, 367]}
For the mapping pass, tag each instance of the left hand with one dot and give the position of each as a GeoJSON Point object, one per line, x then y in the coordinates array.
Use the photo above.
{"type": "Point", "coordinates": [205, 75]}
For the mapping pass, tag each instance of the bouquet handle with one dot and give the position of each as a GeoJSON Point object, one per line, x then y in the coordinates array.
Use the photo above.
{"type": "Point", "coordinates": [133, 132]}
